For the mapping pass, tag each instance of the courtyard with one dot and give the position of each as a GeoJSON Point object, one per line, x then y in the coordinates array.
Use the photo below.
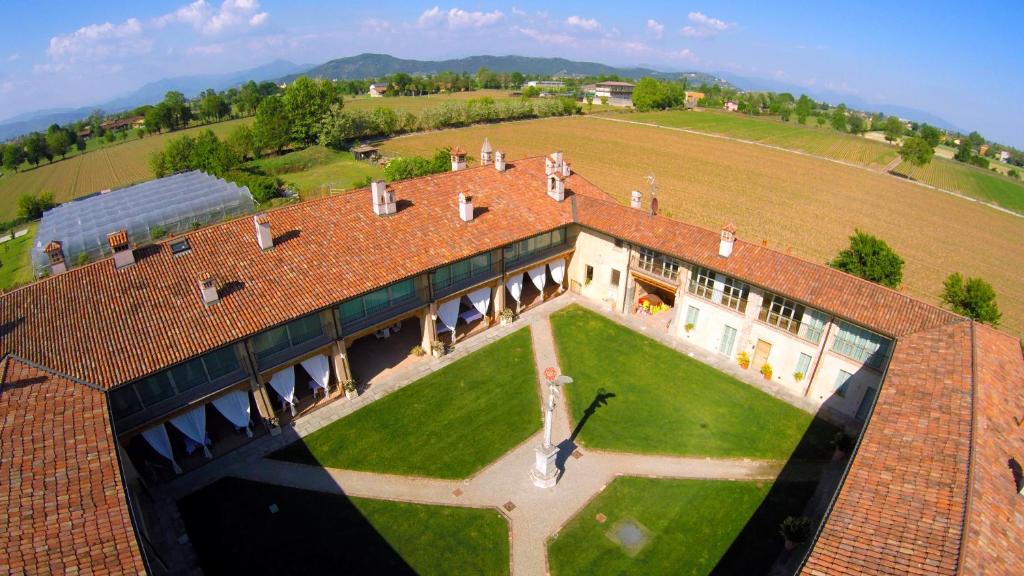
{"type": "Point", "coordinates": [668, 466]}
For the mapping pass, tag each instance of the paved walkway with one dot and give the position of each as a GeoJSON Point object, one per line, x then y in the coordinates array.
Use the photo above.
{"type": "Point", "coordinates": [535, 514]}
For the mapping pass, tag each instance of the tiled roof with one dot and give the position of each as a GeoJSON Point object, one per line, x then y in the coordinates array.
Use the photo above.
{"type": "Point", "coordinates": [62, 501]}
{"type": "Point", "coordinates": [111, 326]}
{"type": "Point", "coordinates": [867, 304]}
{"type": "Point", "coordinates": [995, 523]}
{"type": "Point", "coordinates": [118, 238]}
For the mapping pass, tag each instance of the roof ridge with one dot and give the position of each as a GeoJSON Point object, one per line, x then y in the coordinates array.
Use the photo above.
{"type": "Point", "coordinates": [972, 454]}
{"type": "Point", "coordinates": [12, 356]}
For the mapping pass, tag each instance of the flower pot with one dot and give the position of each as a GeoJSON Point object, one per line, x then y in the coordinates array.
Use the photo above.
{"type": "Point", "coordinates": [506, 321]}
{"type": "Point", "coordinates": [435, 353]}
{"type": "Point", "coordinates": [767, 376]}
{"type": "Point", "coordinates": [744, 366]}
{"type": "Point", "coordinates": [351, 394]}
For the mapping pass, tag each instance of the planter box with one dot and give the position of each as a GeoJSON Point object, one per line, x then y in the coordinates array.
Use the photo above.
{"type": "Point", "coordinates": [351, 394]}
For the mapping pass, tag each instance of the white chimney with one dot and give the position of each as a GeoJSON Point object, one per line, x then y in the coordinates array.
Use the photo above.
{"type": "Point", "coordinates": [208, 289]}
{"type": "Point", "coordinates": [728, 239]}
{"type": "Point", "coordinates": [458, 159]}
{"type": "Point", "coordinates": [123, 254]}
{"type": "Point", "coordinates": [383, 199]}
{"type": "Point", "coordinates": [465, 207]}
{"type": "Point", "coordinates": [486, 155]}
{"type": "Point", "coordinates": [553, 163]}
{"type": "Point", "coordinates": [55, 253]}
{"type": "Point", "coordinates": [635, 199]}
{"type": "Point", "coordinates": [556, 186]}
{"type": "Point", "coordinates": [566, 171]}
{"type": "Point", "coordinates": [499, 161]}
{"type": "Point", "coordinates": [263, 235]}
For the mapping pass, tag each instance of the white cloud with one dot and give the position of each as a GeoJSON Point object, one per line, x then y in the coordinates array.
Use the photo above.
{"type": "Point", "coordinates": [518, 12]}
{"type": "Point", "coordinates": [97, 41]}
{"type": "Point", "coordinates": [13, 56]}
{"type": "Point", "coordinates": [705, 26]}
{"type": "Point", "coordinates": [684, 54]}
{"type": "Point", "coordinates": [584, 23]}
{"type": "Point", "coordinates": [556, 38]}
{"type": "Point", "coordinates": [656, 28]}
{"type": "Point", "coordinates": [205, 18]}
{"type": "Point", "coordinates": [457, 18]}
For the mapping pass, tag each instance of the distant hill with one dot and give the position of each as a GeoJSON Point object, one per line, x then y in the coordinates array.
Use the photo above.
{"type": "Point", "coordinates": [376, 65]}
{"type": "Point", "coordinates": [148, 94]}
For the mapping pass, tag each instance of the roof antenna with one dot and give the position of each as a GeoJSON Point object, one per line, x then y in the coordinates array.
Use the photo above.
{"type": "Point", "coordinates": [652, 182]}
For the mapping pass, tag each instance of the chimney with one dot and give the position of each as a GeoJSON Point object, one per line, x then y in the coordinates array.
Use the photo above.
{"type": "Point", "coordinates": [499, 161]}
{"type": "Point", "coordinates": [55, 252]}
{"type": "Point", "coordinates": [556, 186]}
{"type": "Point", "coordinates": [208, 289]}
{"type": "Point", "coordinates": [566, 171]}
{"type": "Point", "coordinates": [383, 199]}
{"type": "Point", "coordinates": [123, 254]}
{"type": "Point", "coordinates": [728, 238]}
{"type": "Point", "coordinates": [635, 199]}
{"type": "Point", "coordinates": [553, 163]}
{"type": "Point", "coordinates": [486, 155]}
{"type": "Point", "coordinates": [465, 207]}
{"type": "Point", "coordinates": [458, 159]}
{"type": "Point", "coordinates": [263, 235]}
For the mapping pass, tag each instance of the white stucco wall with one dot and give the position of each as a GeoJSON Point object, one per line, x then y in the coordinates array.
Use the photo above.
{"type": "Point", "coordinates": [599, 251]}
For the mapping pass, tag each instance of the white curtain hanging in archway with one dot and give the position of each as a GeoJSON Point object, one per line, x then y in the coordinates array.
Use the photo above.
{"type": "Point", "coordinates": [235, 407]}
{"type": "Point", "coordinates": [557, 268]}
{"type": "Point", "coordinates": [539, 277]}
{"type": "Point", "coordinates": [515, 286]}
{"type": "Point", "coordinates": [193, 425]}
{"type": "Point", "coordinates": [448, 314]}
{"type": "Point", "coordinates": [319, 369]}
{"type": "Point", "coordinates": [157, 438]}
{"type": "Point", "coordinates": [283, 383]}
{"type": "Point", "coordinates": [481, 299]}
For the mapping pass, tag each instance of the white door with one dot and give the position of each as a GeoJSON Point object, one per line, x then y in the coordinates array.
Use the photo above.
{"type": "Point", "coordinates": [728, 340]}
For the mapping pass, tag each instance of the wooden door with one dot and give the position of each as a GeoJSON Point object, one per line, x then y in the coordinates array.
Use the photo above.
{"type": "Point", "coordinates": [761, 352]}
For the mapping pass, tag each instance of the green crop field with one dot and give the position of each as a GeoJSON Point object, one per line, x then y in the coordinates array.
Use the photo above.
{"type": "Point", "coordinates": [317, 170]}
{"type": "Point", "coordinates": [417, 104]}
{"type": "Point", "coordinates": [15, 258]}
{"type": "Point", "coordinates": [822, 141]}
{"type": "Point", "coordinates": [970, 180]}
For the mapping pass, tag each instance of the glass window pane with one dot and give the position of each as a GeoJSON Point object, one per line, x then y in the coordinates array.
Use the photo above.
{"type": "Point", "coordinates": [481, 263]}
{"type": "Point", "coordinates": [375, 302]}
{"type": "Point", "coordinates": [352, 309]}
{"type": "Point", "coordinates": [221, 362]}
{"type": "Point", "coordinates": [803, 364]}
{"type": "Point", "coordinates": [271, 341]}
{"type": "Point", "coordinates": [557, 236]}
{"type": "Point", "coordinates": [188, 375]}
{"type": "Point", "coordinates": [543, 241]}
{"type": "Point", "coordinates": [124, 401]}
{"type": "Point", "coordinates": [460, 270]}
{"type": "Point", "coordinates": [403, 290]}
{"type": "Point", "coordinates": [154, 389]}
{"type": "Point", "coordinates": [441, 277]}
{"type": "Point", "coordinates": [305, 329]}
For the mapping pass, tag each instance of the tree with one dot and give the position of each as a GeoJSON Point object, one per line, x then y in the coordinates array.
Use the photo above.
{"type": "Point", "coordinates": [57, 141]}
{"type": "Point", "coordinates": [893, 128]}
{"type": "Point", "coordinates": [249, 97]}
{"type": "Point", "coordinates": [31, 207]}
{"type": "Point", "coordinates": [963, 151]}
{"type": "Point", "coordinates": [14, 155]}
{"type": "Point", "coordinates": [821, 120]}
{"type": "Point", "coordinates": [870, 258]}
{"type": "Point", "coordinates": [36, 148]}
{"type": "Point", "coordinates": [973, 297]}
{"type": "Point", "coordinates": [803, 108]}
{"type": "Point", "coordinates": [305, 103]}
{"type": "Point", "coordinates": [930, 134]}
{"type": "Point", "coordinates": [212, 106]}
{"type": "Point", "coordinates": [177, 112]}
{"type": "Point", "coordinates": [242, 141]}
{"type": "Point", "coordinates": [916, 151]}
{"type": "Point", "coordinates": [589, 97]}
{"type": "Point", "coordinates": [856, 123]}
{"type": "Point", "coordinates": [838, 119]}
{"type": "Point", "coordinates": [157, 118]}
{"type": "Point", "coordinates": [271, 126]}
{"type": "Point", "coordinates": [975, 139]}
{"type": "Point", "coordinates": [650, 94]}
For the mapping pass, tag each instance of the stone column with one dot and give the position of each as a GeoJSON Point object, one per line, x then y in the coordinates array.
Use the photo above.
{"type": "Point", "coordinates": [263, 404]}
{"type": "Point", "coordinates": [499, 297]}
{"type": "Point", "coordinates": [428, 333]}
{"type": "Point", "coordinates": [339, 357]}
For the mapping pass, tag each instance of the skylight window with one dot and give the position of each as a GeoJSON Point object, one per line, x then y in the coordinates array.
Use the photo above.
{"type": "Point", "coordinates": [180, 246]}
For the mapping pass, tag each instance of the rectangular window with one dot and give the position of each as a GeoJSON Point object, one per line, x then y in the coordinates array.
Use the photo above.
{"type": "Point", "coordinates": [615, 278]}
{"type": "Point", "coordinates": [781, 312]}
{"type": "Point", "coordinates": [524, 249]}
{"type": "Point", "coordinates": [271, 341]}
{"type": "Point", "coordinates": [352, 310]}
{"type": "Point", "coordinates": [375, 301]}
{"type": "Point", "coordinates": [692, 313]}
{"type": "Point", "coordinates": [703, 284]}
{"type": "Point", "coordinates": [861, 345]}
{"type": "Point", "coordinates": [813, 326]}
{"type": "Point", "coordinates": [283, 337]}
{"type": "Point", "coordinates": [590, 275]}
{"type": "Point", "coordinates": [305, 329]}
{"type": "Point", "coordinates": [404, 290]}
{"type": "Point", "coordinates": [188, 375]}
{"type": "Point", "coordinates": [460, 272]}
{"type": "Point", "coordinates": [803, 364]}
{"type": "Point", "coordinates": [842, 383]}
{"type": "Point", "coordinates": [727, 341]}
{"type": "Point", "coordinates": [734, 294]}
{"type": "Point", "coordinates": [124, 401]}
{"type": "Point", "coordinates": [154, 389]}
{"type": "Point", "coordinates": [221, 362]}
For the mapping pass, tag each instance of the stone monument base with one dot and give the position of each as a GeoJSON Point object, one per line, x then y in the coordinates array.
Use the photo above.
{"type": "Point", "coordinates": [545, 473]}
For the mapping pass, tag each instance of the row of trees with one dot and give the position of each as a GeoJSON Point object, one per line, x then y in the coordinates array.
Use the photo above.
{"type": "Point", "coordinates": [872, 259]}
{"type": "Point", "coordinates": [222, 158]}
{"type": "Point", "coordinates": [651, 94]}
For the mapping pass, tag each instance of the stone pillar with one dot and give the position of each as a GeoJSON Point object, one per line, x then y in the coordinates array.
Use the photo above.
{"type": "Point", "coordinates": [339, 358]}
{"type": "Point", "coordinates": [499, 297]}
{"type": "Point", "coordinates": [427, 326]}
{"type": "Point", "coordinates": [263, 404]}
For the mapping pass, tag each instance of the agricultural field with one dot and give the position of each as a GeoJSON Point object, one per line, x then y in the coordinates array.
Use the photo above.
{"type": "Point", "coordinates": [822, 141]}
{"type": "Point", "coordinates": [417, 104]}
{"type": "Point", "coordinates": [970, 180]}
{"type": "Point", "coordinates": [795, 203]}
{"type": "Point", "coordinates": [111, 166]}
{"type": "Point", "coordinates": [317, 170]}
{"type": "Point", "coordinates": [15, 258]}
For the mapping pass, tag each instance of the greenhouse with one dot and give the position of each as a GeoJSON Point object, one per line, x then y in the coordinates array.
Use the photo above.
{"type": "Point", "coordinates": [150, 210]}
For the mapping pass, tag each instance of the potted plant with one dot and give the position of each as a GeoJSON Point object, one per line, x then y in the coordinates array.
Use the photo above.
{"type": "Point", "coordinates": [743, 360]}
{"type": "Point", "coordinates": [417, 351]}
{"type": "Point", "coordinates": [766, 371]}
{"type": "Point", "coordinates": [437, 349]}
{"type": "Point", "coordinates": [689, 327]}
{"type": "Point", "coordinates": [275, 425]}
{"type": "Point", "coordinates": [507, 315]}
{"type": "Point", "coordinates": [351, 389]}
{"type": "Point", "coordinates": [798, 376]}
{"type": "Point", "coordinates": [842, 445]}
{"type": "Point", "coordinates": [796, 530]}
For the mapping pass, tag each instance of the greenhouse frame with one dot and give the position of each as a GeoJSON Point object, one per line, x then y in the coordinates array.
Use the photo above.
{"type": "Point", "coordinates": [170, 205]}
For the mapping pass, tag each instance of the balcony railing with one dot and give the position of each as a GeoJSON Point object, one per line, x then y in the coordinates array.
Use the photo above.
{"type": "Point", "coordinates": [657, 266]}
{"type": "Point", "coordinates": [523, 259]}
{"type": "Point", "coordinates": [727, 298]}
{"type": "Point", "coordinates": [456, 282]}
{"type": "Point", "coordinates": [377, 314]}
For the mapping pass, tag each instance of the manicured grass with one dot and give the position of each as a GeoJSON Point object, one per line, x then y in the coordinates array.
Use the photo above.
{"type": "Point", "coordinates": [234, 532]}
{"type": "Point", "coordinates": [690, 525]}
{"type": "Point", "coordinates": [318, 169]}
{"type": "Point", "coordinates": [447, 425]}
{"type": "Point", "coordinates": [16, 259]}
{"type": "Point", "coordinates": [660, 401]}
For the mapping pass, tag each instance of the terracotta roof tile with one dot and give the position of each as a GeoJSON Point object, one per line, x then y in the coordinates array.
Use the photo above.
{"type": "Point", "coordinates": [62, 501]}
{"type": "Point", "coordinates": [118, 238]}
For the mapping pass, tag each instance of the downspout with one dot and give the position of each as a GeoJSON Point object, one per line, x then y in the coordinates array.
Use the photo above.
{"type": "Point", "coordinates": [821, 352]}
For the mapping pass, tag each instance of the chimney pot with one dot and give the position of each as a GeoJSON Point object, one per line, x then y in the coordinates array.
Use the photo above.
{"type": "Point", "coordinates": [55, 252]}
{"type": "Point", "coordinates": [499, 161]}
{"type": "Point", "coordinates": [383, 199]}
{"type": "Point", "coordinates": [465, 207]}
{"type": "Point", "coordinates": [208, 289]}
{"type": "Point", "coordinates": [486, 155]}
{"type": "Point", "coordinates": [458, 156]}
{"type": "Point", "coordinates": [636, 199]}
{"type": "Point", "coordinates": [727, 240]}
{"type": "Point", "coordinates": [123, 254]}
{"type": "Point", "coordinates": [263, 234]}
{"type": "Point", "coordinates": [556, 186]}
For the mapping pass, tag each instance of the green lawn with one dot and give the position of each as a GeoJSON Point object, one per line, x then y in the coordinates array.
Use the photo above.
{"type": "Point", "coordinates": [15, 259]}
{"type": "Point", "coordinates": [234, 532]}
{"type": "Point", "coordinates": [318, 169]}
{"type": "Point", "coordinates": [660, 401]}
{"type": "Point", "coordinates": [447, 425]}
{"type": "Point", "coordinates": [691, 527]}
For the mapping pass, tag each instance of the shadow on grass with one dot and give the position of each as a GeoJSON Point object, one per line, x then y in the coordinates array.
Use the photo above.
{"type": "Point", "coordinates": [243, 527]}
{"type": "Point", "coordinates": [568, 446]}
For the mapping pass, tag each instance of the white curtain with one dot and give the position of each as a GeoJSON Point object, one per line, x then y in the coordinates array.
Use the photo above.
{"type": "Point", "coordinates": [515, 286]}
{"type": "Point", "coordinates": [448, 314]}
{"type": "Point", "coordinates": [283, 383]}
{"type": "Point", "coordinates": [193, 425]}
{"type": "Point", "coordinates": [235, 407]}
{"type": "Point", "coordinates": [319, 369]}
{"type": "Point", "coordinates": [157, 438]}
{"type": "Point", "coordinates": [539, 277]}
{"type": "Point", "coordinates": [557, 271]}
{"type": "Point", "coordinates": [481, 299]}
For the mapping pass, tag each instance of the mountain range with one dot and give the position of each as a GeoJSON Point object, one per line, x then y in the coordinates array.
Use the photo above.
{"type": "Point", "coordinates": [376, 65]}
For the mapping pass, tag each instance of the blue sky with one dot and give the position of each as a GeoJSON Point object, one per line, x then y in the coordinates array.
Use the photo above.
{"type": "Point", "coordinates": [961, 61]}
